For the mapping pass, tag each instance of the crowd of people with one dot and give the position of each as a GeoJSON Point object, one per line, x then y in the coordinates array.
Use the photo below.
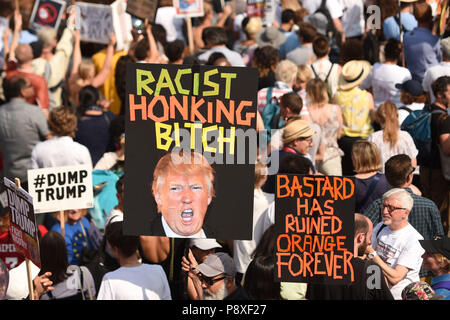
{"type": "Point", "coordinates": [334, 103]}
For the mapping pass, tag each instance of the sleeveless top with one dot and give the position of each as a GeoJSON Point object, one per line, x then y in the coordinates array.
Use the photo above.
{"type": "Point", "coordinates": [330, 131]}
{"type": "Point", "coordinates": [355, 112]}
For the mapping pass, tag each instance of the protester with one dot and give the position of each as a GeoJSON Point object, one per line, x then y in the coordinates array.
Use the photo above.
{"type": "Point", "coordinates": [442, 69]}
{"type": "Point", "coordinates": [216, 279]}
{"type": "Point", "coordinates": [197, 252]}
{"type": "Point", "coordinates": [329, 118]}
{"type": "Point", "coordinates": [75, 233]}
{"type": "Point", "coordinates": [357, 109]}
{"type": "Point", "coordinates": [60, 150]}
{"type": "Point", "coordinates": [357, 290]}
{"type": "Point", "coordinates": [370, 183]}
{"type": "Point", "coordinates": [258, 281]}
{"type": "Point", "coordinates": [133, 280]}
{"type": "Point", "coordinates": [424, 216]}
{"type": "Point", "coordinates": [412, 97]}
{"type": "Point", "coordinates": [93, 124]}
{"type": "Point", "coordinates": [304, 54]}
{"type": "Point", "coordinates": [437, 259]}
{"type": "Point", "coordinates": [22, 126]}
{"type": "Point", "coordinates": [384, 76]}
{"type": "Point", "coordinates": [391, 140]}
{"type": "Point", "coordinates": [395, 243]}
{"type": "Point", "coordinates": [70, 282]}
{"type": "Point", "coordinates": [266, 59]}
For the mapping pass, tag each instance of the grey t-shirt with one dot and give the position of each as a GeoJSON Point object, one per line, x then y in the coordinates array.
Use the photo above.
{"type": "Point", "coordinates": [22, 126]}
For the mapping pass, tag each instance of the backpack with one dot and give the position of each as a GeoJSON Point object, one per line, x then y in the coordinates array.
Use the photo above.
{"type": "Point", "coordinates": [418, 125]}
{"type": "Point", "coordinates": [271, 115]}
{"type": "Point", "coordinates": [329, 90]}
{"type": "Point", "coordinates": [322, 20]}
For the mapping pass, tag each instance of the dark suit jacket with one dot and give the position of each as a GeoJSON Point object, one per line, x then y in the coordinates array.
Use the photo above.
{"type": "Point", "coordinates": [157, 229]}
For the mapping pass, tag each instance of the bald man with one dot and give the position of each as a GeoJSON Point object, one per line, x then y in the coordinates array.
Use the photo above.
{"type": "Point", "coordinates": [369, 284]}
{"type": "Point", "coordinates": [24, 57]}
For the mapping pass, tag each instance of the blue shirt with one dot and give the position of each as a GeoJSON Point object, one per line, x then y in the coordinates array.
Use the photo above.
{"type": "Point", "coordinates": [391, 29]}
{"type": "Point", "coordinates": [291, 43]}
{"type": "Point", "coordinates": [75, 239]}
{"type": "Point", "coordinates": [441, 285]}
{"type": "Point", "coordinates": [422, 51]}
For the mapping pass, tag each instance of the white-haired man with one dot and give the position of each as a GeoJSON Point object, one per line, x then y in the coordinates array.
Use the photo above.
{"type": "Point", "coordinates": [395, 243]}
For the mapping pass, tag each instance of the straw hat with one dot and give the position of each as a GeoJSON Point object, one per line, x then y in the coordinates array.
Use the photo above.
{"type": "Point", "coordinates": [296, 129]}
{"type": "Point", "coordinates": [353, 73]}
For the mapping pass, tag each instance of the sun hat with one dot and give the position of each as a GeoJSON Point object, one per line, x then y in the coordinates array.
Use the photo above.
{"type": "Point", "coordinates": [270, 36]}
{"type": "Point", "coordinates": [353, 73]}
{"type": "Point", "coordinates": [296, 129]}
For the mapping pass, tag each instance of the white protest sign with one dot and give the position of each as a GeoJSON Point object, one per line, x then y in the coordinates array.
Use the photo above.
{"type": "Point", "coordinates": [61, 188]}
{"type": "Point", "coordinates": [96, 22]}
{"type": "Point", "coordinates": [122, 24]}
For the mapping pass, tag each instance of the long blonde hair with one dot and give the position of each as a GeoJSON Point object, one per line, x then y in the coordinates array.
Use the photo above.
{"type": "Point", "coordinates": [387, 116]}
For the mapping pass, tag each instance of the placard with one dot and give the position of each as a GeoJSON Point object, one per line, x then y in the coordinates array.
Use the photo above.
{"type": "Point", "coordinates": [208, 112]}
{"type": "Point", "coordinates": [47, 13]}
{"type": "Point", "coordinates": [188, 8]}
{"type": "Point", "coordinates": [23, 228]}
{"type": "Point", "coordinates": [314, 219]}
{"type": "Point", "coordinates": [96, 22]}
{"type": "Point", "coordinates": [255, 8]}
{"type": "Point", "coordinates": [61, 188]}
{"type": "Point", "coordinates": [143, 9]}
{"type": "Point", "coordinates": [122, 25]}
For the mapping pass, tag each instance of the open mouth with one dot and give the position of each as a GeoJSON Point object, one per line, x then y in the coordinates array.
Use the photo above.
{"type": "Point", "coordinates": [187, 215]}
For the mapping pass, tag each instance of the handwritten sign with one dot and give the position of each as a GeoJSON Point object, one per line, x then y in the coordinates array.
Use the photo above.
{"type": "Point", "coordinates": [23, 228]}
{"type": "Point", "coordinates": [96, 22]}
{"type": "Point", "coordinates": [314, 218]}
{"type": "Point", "coordinates": [202, 109]}
{"type": "Point", "coordinates": [61, 188]}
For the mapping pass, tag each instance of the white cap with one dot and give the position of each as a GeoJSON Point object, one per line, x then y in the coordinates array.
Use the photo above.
{"type": "Point", "coordinates": [205, 244]}
{"type": "Point", "coordinates": [18, 281]}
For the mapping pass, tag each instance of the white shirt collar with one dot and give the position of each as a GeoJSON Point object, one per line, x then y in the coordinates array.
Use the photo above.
{"type": "Point", "coordinates": [169, 232]}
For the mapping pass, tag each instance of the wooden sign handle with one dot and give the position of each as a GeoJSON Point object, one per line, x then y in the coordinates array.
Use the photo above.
{"type": "Point", "coordinates": [62, 224]}
{"type": "Point", "coordinates": [190, 34]}
{"type": "Point", "coordinates": [27, 261]}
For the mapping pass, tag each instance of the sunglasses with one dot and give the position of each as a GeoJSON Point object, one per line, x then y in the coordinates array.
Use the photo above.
{"type": "Point", "coordinates": [209, 281]}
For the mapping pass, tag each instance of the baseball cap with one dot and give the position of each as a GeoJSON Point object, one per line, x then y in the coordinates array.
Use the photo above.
{"type": "Point", "coordinates": [413, 87]}
{"type": "Point", "coordinates": [441, 246]}
{"type": "Point", "coordinates": [204, 244]}
{"type": "Point", "coordinates": [216, 264]}
{"type": "Point", "coordinates": [420, 291]}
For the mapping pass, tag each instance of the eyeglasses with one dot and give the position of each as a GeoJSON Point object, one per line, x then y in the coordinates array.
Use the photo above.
{"type": "Point", "coordinates": [309, 140]}
{"type": "Point", "coordinates": [209, 281]}
{"type": "Point", "coordinates": [392, 208]}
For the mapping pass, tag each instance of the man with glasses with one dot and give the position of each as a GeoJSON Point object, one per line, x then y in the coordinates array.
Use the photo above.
{"type": "Point", "coordinates": [395, 243]}
{"type": "Point", "coordinates": [424, 216]}
{"type": "Point", "coordinates": [216, 279]}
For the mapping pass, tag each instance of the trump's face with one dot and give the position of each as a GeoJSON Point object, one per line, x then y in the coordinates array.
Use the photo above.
{"type": "Point", "coordinates": [183, 201]}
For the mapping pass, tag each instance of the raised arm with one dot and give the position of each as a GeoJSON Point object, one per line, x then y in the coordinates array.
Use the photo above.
{"type": "Point", "coordinates": [154, 54]}
{"type": "Point", "coordinates": [15, 38]}
{"type": "Point", "coordinates": [103, 74]}
{"type": "Point", "coordinates": [76, 55]}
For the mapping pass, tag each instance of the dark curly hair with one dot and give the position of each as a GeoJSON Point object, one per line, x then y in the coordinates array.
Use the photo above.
{"type": "Point", "coordinates": [62, 122]}
{"type": "Point", "coordinates": [393, 50]}
{"type": "Point", "coordinates": [266, 58]}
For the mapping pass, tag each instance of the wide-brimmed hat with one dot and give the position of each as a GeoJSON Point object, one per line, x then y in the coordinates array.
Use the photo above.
{"type": "Point", "coordinates": [441, 246]}
{"type": "Point", "coordinates": [296, 129]}
{"type": "Point", "coordinates": [353, 73]}
{"type": "Point", "coordinates": [270, 36]}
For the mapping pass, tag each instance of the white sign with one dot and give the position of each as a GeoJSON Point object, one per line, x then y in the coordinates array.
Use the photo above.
{"type": "Point", "coordinates": [61, 188]}
{"type": "Point", "coordinates": [122, 25]}
{"type": "Point", "coordinates": [96, 22]}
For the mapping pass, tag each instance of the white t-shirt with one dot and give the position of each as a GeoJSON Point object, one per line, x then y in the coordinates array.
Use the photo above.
{"type": "Point", "coordinates": [70, 286]}
{"type": "Point", "coordinates": [383, 79]}
{"type": "Point", "coordinates": [145, 282]}
{"type": "Point", "coordinates": [405, 145]}
{"type": "Point", "coordinates": [400, 247]}
{"type": "Point", "coordinates": [353, 21]}
{"type": "Point", "coordinates": [333, 6]}
{"type": "Point", "coordinates": [166, 16]}
{"type": "Point", "coordinates": [442, 69]}
{"type": "Point", "coordinates": [244, 248]}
